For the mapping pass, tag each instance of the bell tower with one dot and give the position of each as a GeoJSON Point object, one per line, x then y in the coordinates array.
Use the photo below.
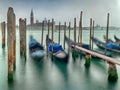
{"type": "Point", "coordinates": [31, 17]}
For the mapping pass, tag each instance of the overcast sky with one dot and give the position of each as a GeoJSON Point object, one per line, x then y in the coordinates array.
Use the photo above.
{"type": "Point", "coordinates": [64, 10]}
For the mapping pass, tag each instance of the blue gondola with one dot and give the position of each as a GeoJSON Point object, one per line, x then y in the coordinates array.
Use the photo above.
{"type": "Point", "coordinates": [56, 51]}
{"type": "Point", "coordinates": [36, 49]}
{"type": "Point", "coordinates": [86, 46]}
{"type": "Point", "coordinates": [116, 38]}
{"type": "Point", "coordinates": [110, 46]}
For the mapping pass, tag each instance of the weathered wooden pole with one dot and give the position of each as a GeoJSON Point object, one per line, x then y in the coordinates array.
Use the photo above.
{"type": "Point", "coordinates": [59, 33]}
{"type": "Point", "coordinates": [112, 72]}
{"type": "Point", "coordinates": [48, 35]}
{"type": "Point", "coordinates": [48, 28]}
{"type": "Point", "coordinates": [14, 40]}
{"type": "Point", "coordinates": [90, 31]}
{"type": "Point", "coordinates": [69, 39]}
{"type": "Point", "coordinates": [11, 40]}
{"type": "Point", "coordinates": [74, 53]}
{"type": "Point", "coordinates": [74, 33]}
{"type": "Point", "coordinates": [107, 30]}
{"type": "Point", "coordinates": [64, 34]}
{"type": "Point", "coordinates": [52, 35]}
{"type": "Point", "coordinates": [42, 33]}
{"type": "Point", "coordinates": [22, 29]}
{"type": "Point", "coordinates": [52, 30]}
{"type": "Point", "coordinates": [87, 60]}
{"type": "Point", "coordinates": [92, 34]}
{"type": "Point", "coordinates": [88, 56]}
{"type": "Point", "coordinates": [3, 34]}
{"type": "Point", "coordinates": [69, 31]}
{"type": "Point", "coordinates": [80, 33]}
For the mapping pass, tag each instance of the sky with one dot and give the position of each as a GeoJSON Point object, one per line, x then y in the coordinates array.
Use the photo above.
{"type": "Point", "coordinates": [64, 10]}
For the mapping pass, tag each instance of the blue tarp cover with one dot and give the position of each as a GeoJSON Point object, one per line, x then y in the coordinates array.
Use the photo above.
{"type": "Point", "coordinates": [113, 45]}
{"type": "Point", "coordinates": [56, 47]}
{"type": "Point", "coordinates": [34, 44]}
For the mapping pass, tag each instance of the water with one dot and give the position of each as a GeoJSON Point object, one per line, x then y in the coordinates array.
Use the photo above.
{"type": "Point", "coordinates": [48, 75]}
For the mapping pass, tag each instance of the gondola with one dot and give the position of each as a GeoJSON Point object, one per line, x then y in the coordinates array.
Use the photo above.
{"type": "Point", "coordinates": [70, 44]}
{"type": "Point", "coordinates": [56, 51]}
{"type": "Point", "coordinates": [86, 46]}
{"type": "Point", "coordinates": [36, 50]}
{"type": "Point", "coordinates": [116, 38]}
{"type": "Point", "coordinates": [110, 46]}
{"type": "Point", "coordinates": [109, 40]}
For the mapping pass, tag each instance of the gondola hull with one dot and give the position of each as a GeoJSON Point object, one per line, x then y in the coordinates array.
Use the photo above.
{"type": "Point", "coordinates": [61, 56]}
{"type": "Point", "coordinates": [38, 54]}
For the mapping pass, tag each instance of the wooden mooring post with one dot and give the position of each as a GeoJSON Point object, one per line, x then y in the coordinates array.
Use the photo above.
{"type": "Point", "coordinates": [92, 35]}
{"type": "Point", "coordinates": [48, 28]}
{"type": "Point", "coordinates": [64, 35]}
{"type": "Point", "coordinates": [48, 35]}
{"type": "Point", "coordinates": [52, 35]}
{"type": "Point", "coordinates": [88, 56]}
{"type": "Point", "coordinates": [112, 70]}
{"type": "Point", "coordinates": [69, 38]}
{"type": "Point", "coordinates": [3, 34]}
{"type": "Point", "coordinates": [52, 30]}
{"type": "Point", "coordinates": [22, 29]}
{"type": "Point", "coordinates": [74, 32]}
{"type": "Point", "coordinates": [90, 32]}
{"type": "Point", "coordinates": [80, 29]}
{"type": "Point", "coordinates": [42, 33]}
{"type": "Point", "coordinates": [11, 42]}
{"type": "Point", "coordinates": [69, 32]}
{"type": "Point", "coordinates": [74, 52]}
{"type": "Point", "coordinates": [107, 30]}
{"type": "Point", "coordinates": [59, 33]}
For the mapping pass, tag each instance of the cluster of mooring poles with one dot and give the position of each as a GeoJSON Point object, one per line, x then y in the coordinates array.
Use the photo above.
{"type": "Point", "coordinates": [11, 42]}
{"type": "Point", "coordinates": [112, 70]}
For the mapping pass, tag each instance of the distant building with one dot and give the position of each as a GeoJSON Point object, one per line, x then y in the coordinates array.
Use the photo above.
{"type": "Point", "coordinates": [31, 18]}
{"type": "Point", "coordinates": [38, 25]}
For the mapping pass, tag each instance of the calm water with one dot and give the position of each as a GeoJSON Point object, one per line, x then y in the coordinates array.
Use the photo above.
{"type": "Point", "coordinates": [48, 75]}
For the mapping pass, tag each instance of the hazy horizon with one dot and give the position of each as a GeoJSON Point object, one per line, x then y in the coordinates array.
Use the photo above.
{"type": "Point", "coordinates": [64, 10]}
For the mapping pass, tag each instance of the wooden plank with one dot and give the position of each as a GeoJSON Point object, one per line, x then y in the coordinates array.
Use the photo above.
{"type": "Point", "coordinates": [109, 59]}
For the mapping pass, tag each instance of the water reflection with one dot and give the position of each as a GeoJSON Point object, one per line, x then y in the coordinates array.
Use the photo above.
{"type": "Point", "coordinates": [62, 67]}
{"type": "Point", "coordinates": [50, 75]}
